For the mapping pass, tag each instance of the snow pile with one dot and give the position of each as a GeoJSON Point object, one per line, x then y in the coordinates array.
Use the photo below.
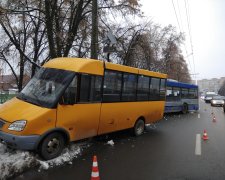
{"type": "Point", "coordinates": [13, 162]}
{"type": "Point", "coordinates": [110, 142]}
{"type": "Point", "coordinates": [67, 156]}
{"type": "Point", "coordinates": [150, 126]}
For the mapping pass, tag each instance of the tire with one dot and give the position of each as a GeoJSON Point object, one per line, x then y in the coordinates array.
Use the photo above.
{"type": "Point", "coordinates": [52, 146]}
{"type": "Point", "coordinates": [139, 127]}
{"type": "Point", "coordinates": [185, 108]}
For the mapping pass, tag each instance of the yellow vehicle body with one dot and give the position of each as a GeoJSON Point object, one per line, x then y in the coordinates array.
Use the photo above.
{"type": "Point", "coordinates": [79, 120]}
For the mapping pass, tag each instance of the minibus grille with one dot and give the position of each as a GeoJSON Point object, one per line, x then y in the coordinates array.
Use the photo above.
{"type": "Point", "coordinates": [1, 123]}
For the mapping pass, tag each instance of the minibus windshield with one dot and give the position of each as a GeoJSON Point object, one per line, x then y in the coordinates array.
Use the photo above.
{"type": "Point", "coordinates": [46, 87]}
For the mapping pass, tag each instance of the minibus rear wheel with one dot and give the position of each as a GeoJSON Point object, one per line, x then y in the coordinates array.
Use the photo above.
{"type": "Point", "coordinates": [52, 146]}
{"type": "Point", "coordinates": [139, 127]}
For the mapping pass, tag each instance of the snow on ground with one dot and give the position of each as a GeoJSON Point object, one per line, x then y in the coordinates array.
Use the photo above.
{"type": "Point", "coordinates": [13, 162]}
{"type": "Point", "coordinates": [150, 126]}
{"type": "Point", "coordinates": [110, 142]}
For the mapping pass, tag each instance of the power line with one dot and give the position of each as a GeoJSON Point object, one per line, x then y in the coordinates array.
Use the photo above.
{"type": "Point", "coordinates": [180, 16]}
{"type": "Point", "coordinates": [188, 22]}
{"type": "Point", "coordinates": [185, 47]}
{"type": "Point", "coordinates": [180, 30]}
{"type": "Point", "coordinates": [189, 30]}
{"type": "Point", "coordinates": [176, 15]}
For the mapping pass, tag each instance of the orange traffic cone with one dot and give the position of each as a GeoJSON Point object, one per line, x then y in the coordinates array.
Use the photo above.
{"type": "Point", "coordinates": [205, 136]}
{"type": "Point", "coordinates": [214, 119]}
{"type": "Point", "coordinates": [95, 172]}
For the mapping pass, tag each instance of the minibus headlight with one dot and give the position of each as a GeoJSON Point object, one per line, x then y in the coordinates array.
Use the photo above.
{"type": "Point", "coordinates": [18, 125]}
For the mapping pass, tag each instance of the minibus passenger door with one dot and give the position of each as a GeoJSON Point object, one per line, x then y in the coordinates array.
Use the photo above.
{"type": "Point", "coordinates": [79, 109]}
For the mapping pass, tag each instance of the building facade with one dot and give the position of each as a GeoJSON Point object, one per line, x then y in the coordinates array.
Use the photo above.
{"type": "Point", "coordinates": [212, 85]}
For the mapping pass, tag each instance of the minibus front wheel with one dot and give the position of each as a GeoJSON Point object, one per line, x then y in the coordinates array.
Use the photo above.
{"type": "Point", "coordinates": [51, 146]}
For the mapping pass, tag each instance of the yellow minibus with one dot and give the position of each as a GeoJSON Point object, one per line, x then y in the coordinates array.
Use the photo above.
{"type": "Point", "coordinates": [70, 99]}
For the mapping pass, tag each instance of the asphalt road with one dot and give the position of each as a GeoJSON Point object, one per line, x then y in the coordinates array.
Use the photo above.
{"type": "Point", "coordinates": [167, 150]}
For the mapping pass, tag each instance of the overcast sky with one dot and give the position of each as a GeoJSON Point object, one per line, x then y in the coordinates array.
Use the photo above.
{"type": "Point", "coordinates": [207, 25]}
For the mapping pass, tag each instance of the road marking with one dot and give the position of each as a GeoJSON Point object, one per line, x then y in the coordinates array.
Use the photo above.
{"type": "Point", "coordinates": [198, 149]}
{"type": "Point", "coordinates": [199, 116]}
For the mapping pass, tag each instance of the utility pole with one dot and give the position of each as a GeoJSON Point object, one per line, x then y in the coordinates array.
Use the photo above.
{"type": "Point", "coordinates": [94, 35]}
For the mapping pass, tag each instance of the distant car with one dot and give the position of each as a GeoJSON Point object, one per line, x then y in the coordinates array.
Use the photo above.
{"type": "Point", "coordinates": [202, 97]}
{"type": "Point", "coordinates": [208, 97]}
{"type": "Point", "coordinates": [217, 101]}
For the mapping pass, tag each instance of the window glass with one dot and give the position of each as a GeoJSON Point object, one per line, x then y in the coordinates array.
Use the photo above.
{"type": "Point", "coordinates": [176, 92]}
{"type": "Point", "coordinates": [169, 94]}
{"type": "Point", "coordinates": [193, 93]}
{"type": "Point", "coordinates": [129, 87]}
{"type": "Point", "coordinates": [143, 88]}
{"type": "Point", "coordinates": [85, 85]}
{"type": "Point", "coordinates": [112, 86]}
{"type": "Point", "coordinates": [46, 87]}
{"type": "Point", "coordinates": [154, 89]}
{"type": "Point", "coordinates": [184, 93]}
{"type": "Point", "coordinates": [90, 88]}
{"type": "Point", "coordinates": [95, 92]}
{"type": "Point", "coordinates": [173, 94]}
{"type": "Point", "coordinates": [69, 96]}
{"type": "Point", "coordinates": [162, 89]}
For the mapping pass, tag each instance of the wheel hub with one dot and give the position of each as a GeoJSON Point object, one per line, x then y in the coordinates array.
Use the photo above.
{"type": "Point", "coordinates": [53, 146]}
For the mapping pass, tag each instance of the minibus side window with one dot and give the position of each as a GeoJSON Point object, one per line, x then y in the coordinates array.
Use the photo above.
{"type": "Point", "coordinates": [154, 89]}
{"type": "Point", "coordinates": [95, 91]}
{"type": "Point", "coordinates": [69, 96]}
{"type": "Point", "coordinates": [129, 87]}
{"type": "Point", "coordinates": [112, 86]}
{"type": "Point", "coordinates": [90, 88]}
{"type": "Point", "coordinates": [143, 88]}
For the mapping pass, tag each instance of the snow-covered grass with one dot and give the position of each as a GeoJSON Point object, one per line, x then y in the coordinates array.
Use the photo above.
{"type": "Point", "coordinates": [13, 162]}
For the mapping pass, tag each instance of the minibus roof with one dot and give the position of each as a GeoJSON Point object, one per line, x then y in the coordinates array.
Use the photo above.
{"type": "Point", "coordinates": [91, 66]}
{"type": "Point", "coordinates": [129, 69]}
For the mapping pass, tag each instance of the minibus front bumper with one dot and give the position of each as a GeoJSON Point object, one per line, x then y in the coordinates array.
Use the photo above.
{"type": "Point", "coordinates": [19, 142]}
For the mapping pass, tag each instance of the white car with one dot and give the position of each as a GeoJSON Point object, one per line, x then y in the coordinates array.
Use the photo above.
{"type": "Point", "coordinates": [217, 101]}
{"type": "Point", "coordinates": [209, 97]}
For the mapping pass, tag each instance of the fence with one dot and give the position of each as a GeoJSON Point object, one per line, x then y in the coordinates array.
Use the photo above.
{"type": "Point", "coordinates": [6, 97]}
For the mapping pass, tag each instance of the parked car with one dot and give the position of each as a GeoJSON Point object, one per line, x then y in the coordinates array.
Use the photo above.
{"type": "Point", "coordinates": [208, 97]}
{"type": "Point", "coordinates": [217, 101]}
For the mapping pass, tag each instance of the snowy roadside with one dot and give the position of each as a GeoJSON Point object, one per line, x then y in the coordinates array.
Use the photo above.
{"type": "Point", "coordinates": [15, 162]}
